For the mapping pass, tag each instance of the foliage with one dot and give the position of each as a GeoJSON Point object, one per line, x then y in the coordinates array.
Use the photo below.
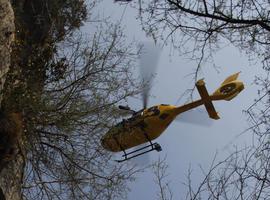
{"type": "Point", "coordinates": [65, 156]}
{"type": "Point", "coordinates": [66, 86]}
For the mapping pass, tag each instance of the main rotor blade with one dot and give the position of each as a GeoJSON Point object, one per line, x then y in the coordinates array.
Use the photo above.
{"type": "Point", "coordinates": [149, 54]}
{"type": "Point", "coordinates": [195, 116]}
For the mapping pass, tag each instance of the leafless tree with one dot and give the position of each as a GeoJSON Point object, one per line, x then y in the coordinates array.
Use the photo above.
{"type": "Point", "coordinates": [76, 108]}
{"type": "Point", "coordinates": [197, 29]}
{"type": "Point", "coordinates": [60, 95]}
{"type": "Point", "coordinates": [160, 170]}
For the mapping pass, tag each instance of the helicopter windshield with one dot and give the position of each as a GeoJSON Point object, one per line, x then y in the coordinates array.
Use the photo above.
{"type": "Point", "coordinates": [152, 111]}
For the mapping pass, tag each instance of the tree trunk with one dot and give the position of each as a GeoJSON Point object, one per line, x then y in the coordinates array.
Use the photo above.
{"type": "Point", "coordinates": [12, 173]}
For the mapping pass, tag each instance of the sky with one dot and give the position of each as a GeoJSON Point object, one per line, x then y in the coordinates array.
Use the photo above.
{"type": "Point", "coordinates": [188, 145]}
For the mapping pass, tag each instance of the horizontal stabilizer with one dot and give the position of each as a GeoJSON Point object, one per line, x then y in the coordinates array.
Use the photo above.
{"type": "Point", "coordinates": [206, 98]}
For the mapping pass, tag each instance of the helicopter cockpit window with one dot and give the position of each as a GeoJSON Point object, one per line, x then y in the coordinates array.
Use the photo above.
{"type": "Point", "coordinates": [153, 111]}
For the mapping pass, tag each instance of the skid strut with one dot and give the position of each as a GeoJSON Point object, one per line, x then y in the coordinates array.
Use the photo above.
{"type": "Point", "coordinates": [140, 151]}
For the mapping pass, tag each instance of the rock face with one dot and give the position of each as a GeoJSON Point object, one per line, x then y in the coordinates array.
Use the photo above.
{"type": "Point", "coordinates": [11, 176]}
{"type": "Point", "coordinates": [7, 30]}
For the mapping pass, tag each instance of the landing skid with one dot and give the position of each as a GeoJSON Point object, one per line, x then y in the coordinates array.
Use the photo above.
{"type": "Point", "coordinates": [128, 156]}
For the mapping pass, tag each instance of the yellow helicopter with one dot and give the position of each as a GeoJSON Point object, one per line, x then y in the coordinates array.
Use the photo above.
{"type": "Point", "coordinates": [149, 123]}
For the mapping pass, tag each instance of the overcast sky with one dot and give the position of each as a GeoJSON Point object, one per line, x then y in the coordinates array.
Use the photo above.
{"type": "Point", "coordinates": [184, 144]}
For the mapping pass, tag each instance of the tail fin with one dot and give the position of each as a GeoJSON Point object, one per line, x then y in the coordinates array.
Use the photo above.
{"type": "Point", "coordinates": [229, 89]}
{"type": "Point", "coordinates": [230, 78]}
{"type": "Point", "coordinates": [206, 98]}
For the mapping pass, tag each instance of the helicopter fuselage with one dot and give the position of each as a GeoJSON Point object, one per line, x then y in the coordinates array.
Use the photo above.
{"type": "Point", "coordinates": [140, 128]}
{"type": "Point", "coordinates": [148, 124]}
